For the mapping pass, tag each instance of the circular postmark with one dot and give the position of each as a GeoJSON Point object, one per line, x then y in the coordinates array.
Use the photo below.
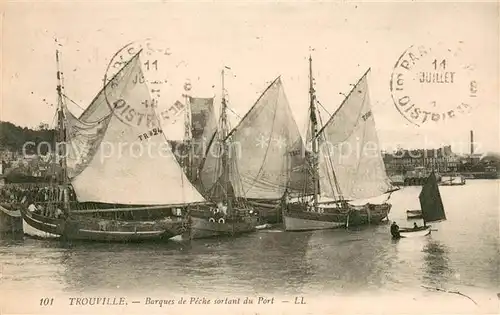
{"type": "Point", "coordinates": [433, 84]}
{"type": "Point", "coordinates": [147, 84]}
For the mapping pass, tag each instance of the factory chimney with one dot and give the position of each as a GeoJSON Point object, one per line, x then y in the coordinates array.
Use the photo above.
{"type": "Point", "coordinates": [471, 143]}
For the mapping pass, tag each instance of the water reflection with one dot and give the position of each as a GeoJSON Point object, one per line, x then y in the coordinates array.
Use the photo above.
{"type": "Point", "coordinates": [258, 263]}
{"type": "Point", "coordinates": [321, 262]}
{"type": "Point", "coordinates": [7, 237]}
{"type": "Point", "coordinates": [437, 270]}
{"type": "Point", "coordinates": [347, 261]}
{"type": "Point", "coordinates": [338, 261]}
{"type": "Point", "coordinates": [275, 262]}
{"type": "Point", "coordinates": [89, 267]}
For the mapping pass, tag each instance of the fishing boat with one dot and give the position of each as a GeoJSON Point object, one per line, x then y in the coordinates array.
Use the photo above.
{"type": "Point", "coordinates": [221, 182]}
{"type": "Point", "coordinates": [270, 135]}
{"type": "Point", "coordinates": [268, 139]}
{"type": "Point", "coordinates": [432, 209]}
{"type": "Point", "coordinates": [452, 181]}
{"type": "Point", "coordinates": [267, 136]}
{"type": "Point", "coordinates": [116, 198]}
{"type": "Point", "coordinates": [414, 214]}
{"type": "Point", "coordinates": [349, 188]}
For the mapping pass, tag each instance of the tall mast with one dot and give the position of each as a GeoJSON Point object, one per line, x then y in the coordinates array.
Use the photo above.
{"type": "Point", "coordinates": [314, 130]}
{"type": "Point", "coordinates": [187, 163]}
{"type": "Point", "coordinates": [61, 133]}
{"type": "Point", "coordinates": [225, 164]}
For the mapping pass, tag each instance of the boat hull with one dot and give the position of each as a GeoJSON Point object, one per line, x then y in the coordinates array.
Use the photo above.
{"type": "Point", "coordinates": [451, 184]}
{"type": "Point", "coordinates": [30, 230]}
{"type": "Point", "coordinates": [76, 230]}
{"type": "Point", "coordinates": [10, 220]}
{"type": "Point", "coordinates": [410, 233]}
{"type": "Point", "coordinates": [269, 210]}
{"type": "Point", "coordinates": [86, 228]}
{"type": "Point", "coordinates": [201, 227]}
{"type": "Point", "coordinates": [452, 181]}
{"type": "Point", "coordinates": [298, 218]}
{"type": "Point", "coordinates": [413, 214]}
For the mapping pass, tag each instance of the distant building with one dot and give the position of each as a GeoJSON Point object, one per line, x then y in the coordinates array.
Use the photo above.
{"type": "Point", "coordinates": [402, 161]}
{"type": "Point", "coordinates": [474, 158]}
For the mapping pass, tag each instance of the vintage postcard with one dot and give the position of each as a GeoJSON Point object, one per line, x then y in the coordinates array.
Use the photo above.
{"type": "Point", "coordinates": [253, 157]}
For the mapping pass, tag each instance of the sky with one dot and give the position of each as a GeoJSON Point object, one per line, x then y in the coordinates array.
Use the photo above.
{"type": "Point", "coordinates": [258, 41]}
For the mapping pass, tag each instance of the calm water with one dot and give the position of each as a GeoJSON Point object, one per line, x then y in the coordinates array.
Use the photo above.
{"type": "Point", "coordinates": [462, 255]}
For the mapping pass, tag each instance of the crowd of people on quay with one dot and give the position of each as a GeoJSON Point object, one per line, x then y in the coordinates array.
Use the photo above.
{"type": "Point", "coordinates": [14, 194]}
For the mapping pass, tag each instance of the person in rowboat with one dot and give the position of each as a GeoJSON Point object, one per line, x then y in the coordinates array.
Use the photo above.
{"type": "Point", "coordinates": [415, 226]}
{"type": "Point", "coordinates": [395, 230]}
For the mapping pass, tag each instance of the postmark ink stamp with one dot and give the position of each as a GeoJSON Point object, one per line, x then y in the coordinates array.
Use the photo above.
{"type": "Point", "coordinates": [145, 85]}
{"type": "Point", "coordinates": [433, 84]}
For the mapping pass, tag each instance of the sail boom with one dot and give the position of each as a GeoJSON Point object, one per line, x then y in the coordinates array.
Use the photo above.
{"type": "Point", "coordinates": [141, 208]}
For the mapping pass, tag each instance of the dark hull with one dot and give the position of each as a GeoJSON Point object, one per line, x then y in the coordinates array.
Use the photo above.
{"type": "Point", "coordinates": [297, 218]}
{"type": "Point", "coordinates": [10, 220]}
{"type": "Point", "coordinates": [86, 228]}
{"type": "Point", "coordinates": [451, 184]}
{"type": "Point", "coordinates": [205, 228]}
{"type": "Point", "coordinates": [481, 175]}
{"type": "Point", "coordinates": [414, 214]}
{"type": "Point", "coordinates": [205, 224]}
{"type": "Point", "coordinates": [269, 210]}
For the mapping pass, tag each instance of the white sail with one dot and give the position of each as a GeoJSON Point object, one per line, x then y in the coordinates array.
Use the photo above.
{"type": "Point", "coordinates": [266, 135]}
{"type": "Point", "coordinates": [176, 127]}
{"type": "Point", "coordinates": [350, 150]}
{"type": "Point", "coordinates": [129, 167]}
{"type": "Point", "coordinates": [260, 148]}
{"type": "Point", "coordinates": [98, 108]}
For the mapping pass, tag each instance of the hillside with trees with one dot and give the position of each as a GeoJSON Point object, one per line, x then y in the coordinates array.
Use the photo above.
{"type": "Point", "coordinates": [12, 137]}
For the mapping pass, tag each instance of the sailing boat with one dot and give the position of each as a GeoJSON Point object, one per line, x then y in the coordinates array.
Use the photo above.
{"type": "Point", "coordinates": [452, 180]}
{"type": "Point", "coordinates": [343, 183]}
{"type": "Point", "coordinates": [232, 215]}
{"type": "Point", "coordinates": [432, 208]}
{"type": "Point", "coordinates": [267, 138]}
{"type": "Point", "coordinates": [118, 199]}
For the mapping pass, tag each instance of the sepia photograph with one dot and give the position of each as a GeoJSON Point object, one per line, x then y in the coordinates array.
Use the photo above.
{"type": "Point", "coordinates": [249, 157]}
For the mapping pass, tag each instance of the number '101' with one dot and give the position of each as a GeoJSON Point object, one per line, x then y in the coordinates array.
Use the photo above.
{"type": "Point", "coordinates": [46, 301]}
